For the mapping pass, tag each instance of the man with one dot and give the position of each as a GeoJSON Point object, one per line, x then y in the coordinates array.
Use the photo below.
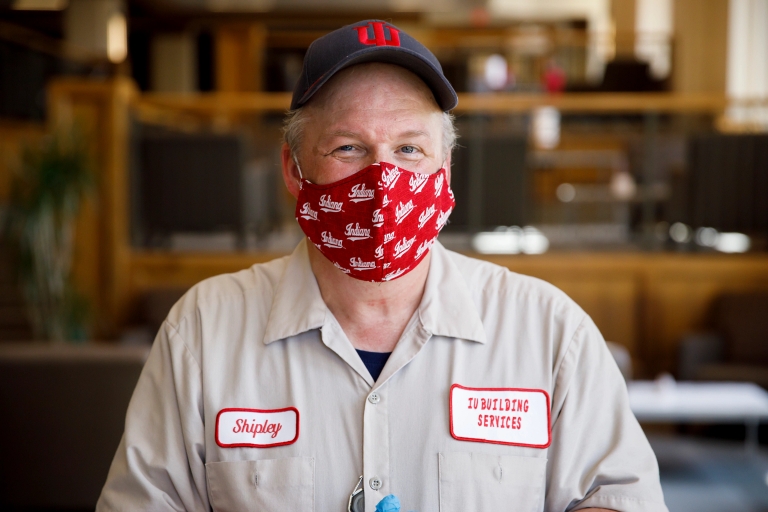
{"type": "Point", "coordinates": [372, 356]}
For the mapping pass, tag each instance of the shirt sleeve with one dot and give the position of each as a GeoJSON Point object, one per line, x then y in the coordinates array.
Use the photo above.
{"type": "Point", "coordinates": [599, 456]}
{"type": "Point", "coordinates": [159, 464]}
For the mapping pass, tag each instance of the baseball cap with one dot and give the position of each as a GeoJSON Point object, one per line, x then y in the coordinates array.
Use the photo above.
{"type": "Point", "coordinates": [370, 41]}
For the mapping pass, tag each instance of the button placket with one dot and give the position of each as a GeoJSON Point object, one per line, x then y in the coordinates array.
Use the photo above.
{"type": "Point", "coordinates": [376, 447]}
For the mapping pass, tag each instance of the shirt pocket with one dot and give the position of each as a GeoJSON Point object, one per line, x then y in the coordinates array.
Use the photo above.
{"type": "Point", "coordinates": [262, 485]}
{"type": "Point", "coordinates": [476, 481]}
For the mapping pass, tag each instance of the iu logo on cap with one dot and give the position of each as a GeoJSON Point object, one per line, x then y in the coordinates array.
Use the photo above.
{"type": "Point", "coordinates": [379, 38]}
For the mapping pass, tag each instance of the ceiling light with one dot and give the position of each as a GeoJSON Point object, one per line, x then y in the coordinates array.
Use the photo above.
{"type": "Point", "coordinates": [566, 192]}
{"type": "Point", "coordinates": [511, 240]}
{"type": "Point", "coordinates": [545, 125]}
{"type": "Point", "coordinates": [497, 242]}
{"type": "Point", "coordinates": [706, 237]}
{"type": "Point", "coordinates": [680, 233]}
{"type": "Point", "coordinates": [534, 241]}
{"type": "Point", "coordinates": [496, 72]}
{"type": "Point", "coordinates": [733, 242]}
{"type": "Point", "coordinates": [117, 38]}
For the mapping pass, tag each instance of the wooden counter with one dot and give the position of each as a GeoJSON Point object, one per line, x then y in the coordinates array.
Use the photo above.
{"type": "Point", "coordinates": [644, 301]}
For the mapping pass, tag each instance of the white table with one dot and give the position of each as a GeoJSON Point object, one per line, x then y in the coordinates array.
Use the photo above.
{"type": "Point", "coordinates": [667, 401]}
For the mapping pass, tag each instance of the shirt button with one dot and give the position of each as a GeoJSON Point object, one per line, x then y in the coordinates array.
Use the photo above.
{"type": "Point", "coordinates": [374, 398]}
{"type": "Point", "coordinates": [375, 483]}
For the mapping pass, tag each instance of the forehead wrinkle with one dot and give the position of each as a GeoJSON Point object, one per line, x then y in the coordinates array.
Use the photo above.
{"type": "Point", "coordinates": [351, 110]}
{"type": "Point", "coordinates": [356, 135]}
{"type": "Point", "coordinates": [414, 133]}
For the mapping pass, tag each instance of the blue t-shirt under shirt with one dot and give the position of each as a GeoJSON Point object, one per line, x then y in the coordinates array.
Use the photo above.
{"type": "Point", "coordinates": [374, 361]}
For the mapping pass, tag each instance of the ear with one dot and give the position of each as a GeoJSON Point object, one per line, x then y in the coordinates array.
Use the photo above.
{"type": "Point", "coordinates": [291, 175]}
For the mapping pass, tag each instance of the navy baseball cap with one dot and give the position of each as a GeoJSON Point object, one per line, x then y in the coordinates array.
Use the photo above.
{"type": "Point", "coordinates": [370, 41]}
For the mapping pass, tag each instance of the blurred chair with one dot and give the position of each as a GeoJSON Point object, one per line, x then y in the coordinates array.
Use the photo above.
{"type": "Point", "coordinates": [727, 182]}
{"type": "Point", "coordinates": [187, 183]}
{"type": "Point", "coordinates": [629, 75]}
{"type": "Point", "coordinates": [623, 359]}
{"type": "Point", "coordinates": [489, 176]}
{"type": "Point", "coordinates": [14, 323]}
{"type": "Point", "coordinates": [63, 415]}
{"type": "Point", "coordinates": [737, 348]}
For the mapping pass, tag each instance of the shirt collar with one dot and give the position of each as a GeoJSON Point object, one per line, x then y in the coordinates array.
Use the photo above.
{"type": "Point", "coordinates": [297, 306]}
{"type": "Point", "coordinates": [446, 308]}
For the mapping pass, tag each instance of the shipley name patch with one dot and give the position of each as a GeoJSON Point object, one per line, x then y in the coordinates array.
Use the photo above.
{"type": "Point", "coordinates": [257, 428]}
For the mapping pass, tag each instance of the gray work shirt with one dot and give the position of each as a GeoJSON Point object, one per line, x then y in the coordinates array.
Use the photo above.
{"type": "Point", "coordinates": [253, 398]}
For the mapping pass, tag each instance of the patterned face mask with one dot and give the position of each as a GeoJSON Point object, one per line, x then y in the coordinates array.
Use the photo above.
{"type": "Point", "coordinates": [377, 224]}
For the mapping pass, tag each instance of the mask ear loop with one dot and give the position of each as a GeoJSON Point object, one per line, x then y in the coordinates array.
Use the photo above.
{"type": "Point", "coordinates": [301, 181]}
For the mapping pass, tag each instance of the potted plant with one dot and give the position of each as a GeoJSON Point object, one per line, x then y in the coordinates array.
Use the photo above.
{"type": "Point", "coordinates": [47, 192]}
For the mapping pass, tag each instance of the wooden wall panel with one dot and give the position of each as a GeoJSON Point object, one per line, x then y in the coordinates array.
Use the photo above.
{"type": "Point", "coordinates": [680, 293]}
{"type": "Point", "coordinates": [240, 57]}
{"type": "Point", "coordinates": [646, 302]}
{"type": "Point", "coordinates": [101, 109]}
{"type": "Point", "coordinates": [700, 46]}
{"type": "Point", "coordinates": [607, 287]}
{"type": "Point", "coordinates": [612, 304]}
{"type": "Point", "coordinates": [14, 136]}
{"type": "Point", "coordinates": [623, 14]}
{"type": "Point", "coordinates": [151, 271]}
{"type": "Point", "coordinates": [86, 264]}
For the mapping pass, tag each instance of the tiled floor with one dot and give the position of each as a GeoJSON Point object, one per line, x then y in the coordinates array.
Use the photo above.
{"type": "Point", "coordinates": [711, 476]}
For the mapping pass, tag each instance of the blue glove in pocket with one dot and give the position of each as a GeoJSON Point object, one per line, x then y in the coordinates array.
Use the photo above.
{"type": "Point", "coordinates": [389, 504]}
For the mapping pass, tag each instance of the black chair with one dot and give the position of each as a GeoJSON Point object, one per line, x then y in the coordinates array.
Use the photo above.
{"type": "Point", "coordinates": [63, 414]}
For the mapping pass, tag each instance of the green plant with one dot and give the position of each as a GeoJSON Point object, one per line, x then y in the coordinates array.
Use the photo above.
{"type": "Point", "coordinates": [46, 196]}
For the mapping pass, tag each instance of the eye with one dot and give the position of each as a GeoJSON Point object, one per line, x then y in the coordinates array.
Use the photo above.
{"type": "Point", "coordinates": [346, 147]}
{"type": "Point", "coordinates": [409, 149]}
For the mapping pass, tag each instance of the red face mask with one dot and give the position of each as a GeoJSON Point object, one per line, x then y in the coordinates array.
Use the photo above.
{"type": "Point", "coordinates": [377, 224]}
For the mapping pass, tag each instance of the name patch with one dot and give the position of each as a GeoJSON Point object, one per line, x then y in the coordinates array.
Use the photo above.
{"type": "Point", "coordinates": [511, 416]}
{"type": "Point", "coordinates": [256, 428]}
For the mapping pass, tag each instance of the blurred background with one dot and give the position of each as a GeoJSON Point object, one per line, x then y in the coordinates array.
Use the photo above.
{"type": "Point", "coordinates": [615, 148]}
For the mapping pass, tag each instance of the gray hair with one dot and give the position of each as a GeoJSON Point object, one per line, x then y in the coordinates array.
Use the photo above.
{"type": "Point", "coordinates": [293, 131]}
